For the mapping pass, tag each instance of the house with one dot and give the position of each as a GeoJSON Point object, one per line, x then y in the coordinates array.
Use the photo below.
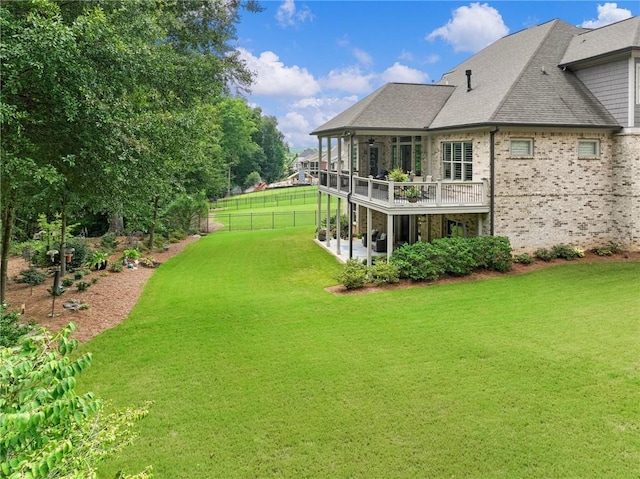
{"type": "Point", "coordinates": [536, 138]}
{"type": "Point", "coordinates": [316, 161]}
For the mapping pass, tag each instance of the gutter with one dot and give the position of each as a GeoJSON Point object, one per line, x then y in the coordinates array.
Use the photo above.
{"type": "Point", "coordinates": [492, 180]}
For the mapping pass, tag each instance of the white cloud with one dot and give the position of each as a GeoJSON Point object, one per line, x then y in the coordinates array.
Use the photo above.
{"type": "Point", "coordinates": [472, 28]}
{"type": "Point", "coordinates": [607, 13]}
{"type": "Point", "coordinates": [403, 74]}
{"type": "Point", "coordinates": [273, 78]}
{"type": "Point", "coordinates": [350, 80]}
{"type": "Point", "coordinates": [288, 15]}
{"type": "Point", "coordinates": [309, 113]}
{"type": "Point", "coordinates": [363, 57]}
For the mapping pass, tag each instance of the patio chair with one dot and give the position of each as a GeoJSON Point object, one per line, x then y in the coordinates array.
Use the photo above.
{"type": "Point", "coordinates": [380, 244]}
{"type": "Point", "coordinates": [374, 237]}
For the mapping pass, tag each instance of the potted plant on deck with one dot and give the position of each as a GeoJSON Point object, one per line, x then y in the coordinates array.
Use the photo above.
{"type": "Point", "coordinates": [412, 193]}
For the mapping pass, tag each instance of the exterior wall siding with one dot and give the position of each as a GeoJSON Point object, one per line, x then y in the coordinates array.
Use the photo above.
{"type": "Point", "coordinates": [626, 179]}
{"type": "Point", "coordinates": [555, 197]}
{"type": "Point", "coordinates": [610, 84]}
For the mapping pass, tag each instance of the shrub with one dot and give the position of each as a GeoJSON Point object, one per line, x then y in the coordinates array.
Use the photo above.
{"type": "Point", "coordinates": [67, 282]}
{"type": "Point", "coordinates": [82, 285]}
{"type": "Point", "coordinates": [81, 251]}
{"type": "Point", "coordinates": [602, 251]}
{"type": "Point", "coordinates": [149, 262]}
{"type": "Point", "coordinates": [10, 327]}
{"type": "Point", "coordinates": [131, 254]}
{"type": "Point", "coordinates": [353, 275]}
{"type": "Point", "coordinates": [78, 275]}
{"type": "Point", "coordinates": [32, 277]}
{"type": "Point", "coordinates": [455, 255]}
{"type": "Point", "coordinates": [116, 267]}
{"type": "Point", "coordinates": [94, 280]}
{"type": "Point", "coordinates": [543, 254]}
{"type": "Point", "coordinates": [383, 272]}
{"type": "Point", "coordinates": [108, 242]}
{"type": "Point", "coordinates": [419, 261]}
{"type": "Point", "coordinates": [524, 258]}
{"type": "Point", "coordinates": [491, 252]}
{"type": "Point", "coordinates": [564, 251]}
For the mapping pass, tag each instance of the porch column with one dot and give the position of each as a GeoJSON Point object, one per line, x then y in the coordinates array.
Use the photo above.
{"type": "Point", "coordinates": [338, 226]}
{"type": "Point", "coordinates": [369, 236]}
{"type": "Point", "coordinates": [479, 228]}
{"type": "Point", "coordinates": [319, 214]}
{"type": "Point", "coordinates": [390, 236]}
{"type": "Point", "coordinates": [328, 228]}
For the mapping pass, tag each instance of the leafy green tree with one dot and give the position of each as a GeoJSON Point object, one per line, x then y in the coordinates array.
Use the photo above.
{"type": "Point", "coordinates": [272, 155]}
{"type": "Point", "coordinates": [48, 430]}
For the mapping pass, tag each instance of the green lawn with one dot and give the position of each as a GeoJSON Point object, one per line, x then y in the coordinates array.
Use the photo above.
{"type": "Point", "coordinates": [255, 371]}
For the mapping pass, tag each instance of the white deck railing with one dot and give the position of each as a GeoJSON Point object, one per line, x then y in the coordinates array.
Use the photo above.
{"type": "Point", "coordinates": [393, 194]}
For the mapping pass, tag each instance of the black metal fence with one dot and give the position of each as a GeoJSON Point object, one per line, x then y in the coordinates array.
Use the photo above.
{"type": "Point", "coordinates": [266, 221]}
{"type": "Point", "coordinates": [263, 201]}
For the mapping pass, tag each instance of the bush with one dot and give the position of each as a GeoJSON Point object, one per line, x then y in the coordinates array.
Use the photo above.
{"type": "Point", "coordinates": [11, 330]}
{"type": "Point", "coordinates": [564, 251]}
{"type": "Point", "coordinates": [353, 275]}
{"type": "Point", "coordinates": [455, 255]}
{"type": "Point", "coordinates": [491, 252]}
{"type": "Point", "coordinates": [543, 254]}
{"type": "Point", "coordinates": [383, 272]}
{"type": "Point", "coordinates": [80, 253]}
{"type": "Point", "coordinates": [82, 285]}
{"type": "Point", "coordinates": [108, 242]}
{"type": "Point", "coordinates": [78, 275]}
{"type": "Point", "coordinates": [419, 261]}
{"type": "Point", "coordinates": [602, 251]}
{"type": "Point", "coordinates": [524, 258]}
{"type": "Point", "coordinates": [116, 267]}
{"type": "Point", "coordinates": [67, 282]}
{"type": "Point", "coordinates": [32, 277]}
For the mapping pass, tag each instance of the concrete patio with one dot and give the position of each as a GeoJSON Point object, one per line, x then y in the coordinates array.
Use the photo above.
{"type": "Point", "coordinates": [359, 251]}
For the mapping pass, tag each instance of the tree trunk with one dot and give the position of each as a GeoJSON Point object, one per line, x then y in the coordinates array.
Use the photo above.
{"type": "Point", "coordinates": [63, 238]}
{"type": "Point", "coordinates": [116, 223]}
{"type": "Point", "coordinates": [152, 229]}
{"type": "Point", "coordinates": [8, 218]}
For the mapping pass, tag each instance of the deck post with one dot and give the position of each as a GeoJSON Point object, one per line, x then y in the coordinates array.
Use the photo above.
{"type": "Point", "coordinates": [328, 226]}
{"type": "Point", "coordinates": [369, 241]}
{"type": "Point", "coordinates": [390, 236]}
{"type": "Point", "coordinates": [338, 225]}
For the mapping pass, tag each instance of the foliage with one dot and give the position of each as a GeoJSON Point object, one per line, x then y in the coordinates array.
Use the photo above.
{"type": "Point", "coordinates": [411, 192]}
{"type": "Point", "coordinates": [383, 272]}
{"type": "Point", "coordinates": [419, 261]}
{"type": "Point", "coordinates": [131, 254]}
{"type": "Point", "coordinates": [524, 258]}
{"type": "Point", "coordinates": [97, 259]}
{"type": "Point", "coordinates": [31, 276]}
{"type": "Point", "coordinates": [344, 225]}
{"type": "Point", "coordinates": [183, 213]}
{"type": "Point", "coordinates": [491, 252]}
{"type": "Point", "coordinates": [398, 175]}
{"type": "Point", "coordinates": [11, 329]}
{"type": "Point", "coordinates": [456, 256]}
{"type": "Point", "coordinates": [252, 179]}
{"type": "Point", "coordinates": [67, 282]}
{"type": "Point", "coordinates": [564, 251]}
{"type": "Point", "coordinates": [116, 267]}
{"type": "Point", "coordinates": [353, 274]}
{"type": "Point", "coordinates": [108, 242]}
{"type": "Point", "coordinates": [46, 428]}
{"type": "Point", "coordinates": [81, 251]}
{"type": "Point", "coordinates": [78, 275]}
{"type": "Point", "coordinates": [82, 285]}
{"type": "Point", "coordinates": [543, 254]}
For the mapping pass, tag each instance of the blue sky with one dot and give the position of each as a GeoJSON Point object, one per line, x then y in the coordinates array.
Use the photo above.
{"type": "Point", "coordinates": [313, 59]}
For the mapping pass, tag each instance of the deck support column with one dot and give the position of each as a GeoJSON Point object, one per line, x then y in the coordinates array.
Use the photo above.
{"type": "Point", "coordinates": [338, 225]}
{"type": "Point", "coordinates": [479, 232]}
{"type": "Point", "coordinates": [328, 227]}
{"type": "Point", "coordinates": [369, 241]}
{"type": "Point", "coordinates": [390, 236]}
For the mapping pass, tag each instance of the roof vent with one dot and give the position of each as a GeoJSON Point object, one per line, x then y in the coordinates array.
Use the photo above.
{"type": "Point", "coordinates": [468, 73]}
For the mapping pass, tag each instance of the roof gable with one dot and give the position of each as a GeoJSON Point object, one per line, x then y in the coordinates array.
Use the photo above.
{"type": "Point", "coordinates": [395, 106]}
{"type": "Point", "coordinates": [607, 40]}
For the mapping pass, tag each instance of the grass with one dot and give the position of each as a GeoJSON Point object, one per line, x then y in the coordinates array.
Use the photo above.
{"type": "Point", "coordinates": [256, 371]}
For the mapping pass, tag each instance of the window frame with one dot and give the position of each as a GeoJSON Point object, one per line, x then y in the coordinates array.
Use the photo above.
{"type": "Point", "coordinates": [465, 167]}
{"type": "Point", "coordinates": [589, 156]}
{"type": "Point", "coordinates": [529, 141]}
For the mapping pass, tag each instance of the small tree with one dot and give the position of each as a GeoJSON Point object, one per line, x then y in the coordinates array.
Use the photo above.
{"type": "Point", "coordinates": [48, 430]}
{"type": "Point", "coordinates": [11, 330]}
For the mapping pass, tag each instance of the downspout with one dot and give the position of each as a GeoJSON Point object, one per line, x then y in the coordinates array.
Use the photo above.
{"type": "Point", "coordinates": [492, 179]}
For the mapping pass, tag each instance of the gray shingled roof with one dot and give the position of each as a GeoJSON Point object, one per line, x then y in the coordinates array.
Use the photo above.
{"type": "Point", "coordinates": [613, 38]}
{"type": "Point", "coordinates": [514, 81]}
{"type": "Point", "coordinates": [394, 106]}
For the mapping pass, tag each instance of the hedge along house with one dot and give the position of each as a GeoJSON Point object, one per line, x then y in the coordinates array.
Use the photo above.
{"type": "Point", "coordinates": [536, 137]}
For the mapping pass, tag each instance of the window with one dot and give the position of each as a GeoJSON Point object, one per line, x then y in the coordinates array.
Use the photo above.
{"type": "Point", "coordinates": [588, 149]}
{"type": "Point", "coordinates": [457, 160]}
{"type": "Point", "coordinates": [522, 148]}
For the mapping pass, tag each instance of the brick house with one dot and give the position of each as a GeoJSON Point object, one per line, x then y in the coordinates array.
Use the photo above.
{"type": "Point", "coordinates": [536, 137]}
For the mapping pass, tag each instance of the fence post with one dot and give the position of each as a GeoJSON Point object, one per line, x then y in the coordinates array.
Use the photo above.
{"type": "Point", "coordinates": [294, 218]}
{"type": "Point", "coordinates": [273, 218]}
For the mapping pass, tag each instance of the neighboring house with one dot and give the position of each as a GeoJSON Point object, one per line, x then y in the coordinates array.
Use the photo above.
{"type": "Point", "coordinates": [317, 161]}
{"type": "Point", "coordinates": [536, 138]}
